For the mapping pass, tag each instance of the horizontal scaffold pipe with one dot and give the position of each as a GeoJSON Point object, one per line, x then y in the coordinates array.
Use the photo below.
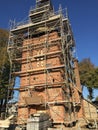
{"type": "Point", "coordinates": [33, 58]}
{"type": "Point", "coordinates": [41, 44]}
{"type": "Point", "coordinates": [48, 85]}
{"type": "Point", "coordinates": [28, 25]}
{"type": "Point", "coordinates": [38, 70]}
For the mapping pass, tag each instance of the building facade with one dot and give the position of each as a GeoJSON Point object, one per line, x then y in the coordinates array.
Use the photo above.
{"type": "Point", "coordinates": [41, 52]}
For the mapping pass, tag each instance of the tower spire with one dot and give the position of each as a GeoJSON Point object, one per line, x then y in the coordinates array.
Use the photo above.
{"type": "Point", "coordinates": [42, 2]}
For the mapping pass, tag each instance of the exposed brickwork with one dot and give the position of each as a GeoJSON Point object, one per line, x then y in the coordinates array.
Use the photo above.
{"type": "Point", "coordinates": [77, 77]}
{"type": "Point", "coordinates": [50, 95]}
{"type": "Point", "coordinates": [38, 81]}
{"type": "Point", "coordinates": [42, 56]}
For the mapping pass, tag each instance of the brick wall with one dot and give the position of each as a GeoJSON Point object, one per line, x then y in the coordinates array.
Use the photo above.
{"type": "Point", "coordinates": [34, 80]}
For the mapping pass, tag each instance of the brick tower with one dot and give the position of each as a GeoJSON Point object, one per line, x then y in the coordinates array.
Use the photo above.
{"type": "Point", "coordinates": [41, 52]}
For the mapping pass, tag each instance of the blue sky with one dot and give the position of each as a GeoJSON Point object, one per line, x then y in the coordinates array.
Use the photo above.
{"type": "Point", "coordinates": [83, 15]}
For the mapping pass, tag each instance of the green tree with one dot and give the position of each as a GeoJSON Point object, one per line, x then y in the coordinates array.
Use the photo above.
{"type": "Point", "coordinates": [95, 79]}
{"type": "Point", "coordinates": [88, 76]}
{"type": "Point", "coordinates": [4, 67]}
{"type": "Point", "coordinates": [96, 99]}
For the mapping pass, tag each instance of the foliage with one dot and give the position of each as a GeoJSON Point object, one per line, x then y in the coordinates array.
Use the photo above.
{"type": "Point", "coordinates": [96, 99]}
{"type": "Point", "coordinates": [88, 76]}
{"type": "Point", "coordinates": [4, 66]}
{"type": "Point", "coordinates": [95, 79]}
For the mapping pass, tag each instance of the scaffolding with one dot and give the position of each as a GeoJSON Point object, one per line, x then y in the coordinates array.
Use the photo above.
{"type": "Point", "coordinates": [41, 54]}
